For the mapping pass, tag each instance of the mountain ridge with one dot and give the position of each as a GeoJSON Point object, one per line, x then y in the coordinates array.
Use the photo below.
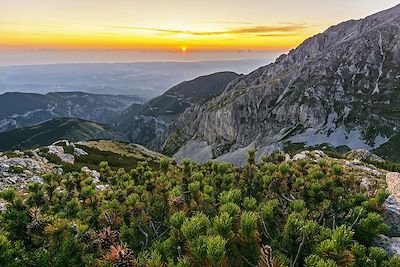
{"type": "Point", "coordinates": [27, 109]}
{"type": "Point", "coordinates": [322, 88]}
{"type": "Point", "coordinates": [46, 133]}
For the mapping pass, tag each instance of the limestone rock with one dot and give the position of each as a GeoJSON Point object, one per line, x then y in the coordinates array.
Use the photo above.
{"type": "Point", "coordinates": [101, 187]}
{"type": "Point", "coordinates": [304, 155]}
{"type": "Point", "coordinates": [366, 184]}
{"type": "Point", "coordinates": [393, 183]}
{"type": "Point", "coordinates": [67, 158]}
{"type": "Point", "coordinates": [363, 155]}
{"type": "Point", "coordinates": [59, 152]}
{"type": "Point", "coordinates": [93, 173]}
{"type": "Point", "coordinates": [390, 245]}
{"type": "Point", "coordinates": [79, 152]}
{"type": "Point", "coordinates": [2, 206]}
{"type": "Point", "coordinates": [37, 179]}
{"type": "Point", "coordinates": [56, 150]}
{"type": "Point", "coordinates": [391, 215]}
{"type": "Point", "coordinates": [32, 165]}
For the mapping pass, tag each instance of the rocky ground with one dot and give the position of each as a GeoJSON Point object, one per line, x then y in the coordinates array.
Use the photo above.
{"type": "Point", "coordinates": [20, 168]}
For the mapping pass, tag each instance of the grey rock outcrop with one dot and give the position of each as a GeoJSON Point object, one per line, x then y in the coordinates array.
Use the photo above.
{"type": "Point", "coordinates": [92, 173]}
{"type": "Point", "coordinates": [393, 183]}
{"type": "Point", "coordinates": [364, 155]}
{"type": "Point", "coordinates": [392, 215]}
{"type": "Point", "coordinates": [80, 152]}
{"type": "Point", "coordinates": [390, 244]}
{"type": "Point", "coordinates": [392, 203]}
{"type": "Point", "coordinates": [19, 171]}
{"type": "Point", "coordinates": [59, 152]}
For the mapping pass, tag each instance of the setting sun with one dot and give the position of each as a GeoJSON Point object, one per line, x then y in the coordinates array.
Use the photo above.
{"type": "Point", "coordinates": [221, 26]}
{"type": "Point", "coordinates": [184, 49]}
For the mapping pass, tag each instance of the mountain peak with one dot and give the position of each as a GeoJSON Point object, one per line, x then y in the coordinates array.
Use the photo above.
{"type": "Point", "coordinates": [390, 13]}
{"type": "Point", "coordinates": [343, 32]}
{"type": "Point", "coordinates": [339, 87]}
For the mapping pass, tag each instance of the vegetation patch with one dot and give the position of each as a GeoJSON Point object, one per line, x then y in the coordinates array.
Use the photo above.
{"type": "Point", "coordinates": [301, 213]}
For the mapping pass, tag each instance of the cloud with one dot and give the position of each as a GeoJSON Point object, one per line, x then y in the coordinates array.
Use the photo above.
{"type": "Point", "coordinates": [260, 30]}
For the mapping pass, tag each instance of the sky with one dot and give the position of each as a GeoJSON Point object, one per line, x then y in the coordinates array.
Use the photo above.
{"type": "Point", "coordinates": [172, 24]}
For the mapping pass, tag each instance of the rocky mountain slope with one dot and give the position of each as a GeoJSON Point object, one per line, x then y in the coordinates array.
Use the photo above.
{"type": "Point", "coordinates": [144, 123]}
{"type": "Point", "coordinates": [27, 109]}
{"type": "Point", "coordinates": [340, 87]}
{"type": "Point", "coordinates": [61, 128]}
{"type": "Point", "coordinates": [19, 168]}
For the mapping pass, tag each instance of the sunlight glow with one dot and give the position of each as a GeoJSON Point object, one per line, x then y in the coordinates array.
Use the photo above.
{"type": "Point", "coordinates": [155, 24]}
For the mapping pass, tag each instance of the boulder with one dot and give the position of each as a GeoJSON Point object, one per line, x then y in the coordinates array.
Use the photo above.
{"type": "Point", "coordinates": [391, 215]}
{"type": "Point", "coordinates": [67, 158]}
{"type": "Point", "coordinates": [56, 150]}
{"type": "Point", "coordinates": [12, 180]}
{"type": "Point", "coordinates": [79, 152]}
{"type": "Point", "coordinates": [37, 179]}
{"type": "Point", "coordinates": [356, 164]}
{"type": "Point", "coordinates": [304, 155]}
{"type": "Point", "coordinates": [363, 155]}
{"type": "Point", "coordinates": [58, 171]}
{"type": "Point", "coordinates": [2, 206]}
{"type": "Point", "coordinates": [59, 152]}
{"type": "Point", "coordinates": [309, 155]}
{"type": "Point", "coordinates": [18, 153]}
{"type": "Point", "coordinates": [390, 244]}
{"type": "Point", "coordinates": [318, 153]}
{"type": "Point", "coordinates": [393, 183]}
{"type": "Point", "coordinates": [92, 173]}
{"type": "Point", "coordinates": [61, 142]}
{"type": "Point", "coordinates": [28, 173]}
{"type": "Point", "coordinates": [26, 163]}
{"type": "Point", "coordinates": [366, 184]}
{"type": "Point", "coordinates": [101, 187]}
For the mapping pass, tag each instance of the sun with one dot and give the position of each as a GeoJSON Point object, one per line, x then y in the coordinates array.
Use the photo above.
{"type": "Point", "coordinates": [183, 49]}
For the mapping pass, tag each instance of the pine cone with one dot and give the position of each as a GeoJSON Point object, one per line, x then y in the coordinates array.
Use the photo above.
{"type": "Point", "coordinates": [121, 256]}
{"type": "Point", "coordinates": [108, 237]}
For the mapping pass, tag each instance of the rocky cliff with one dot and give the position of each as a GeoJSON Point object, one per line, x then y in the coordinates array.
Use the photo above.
{"type": "Point", "coordinates": [340, 87]}
{"type": "Point", "coordinates": [148, 124]}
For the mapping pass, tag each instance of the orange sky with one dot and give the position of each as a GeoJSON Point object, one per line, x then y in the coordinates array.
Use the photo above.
{"type": "Point", "coordinates": [172, 24]}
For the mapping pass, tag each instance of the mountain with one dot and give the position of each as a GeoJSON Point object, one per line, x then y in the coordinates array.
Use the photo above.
{"type": "Point", "coordinates": [51, 131]}
{"type": "Point", "coordinates": [144, 123]}
{"type": "Point", "coordinates": [340, 87]}
{"type": "Point", "coordinates": [27, 109]}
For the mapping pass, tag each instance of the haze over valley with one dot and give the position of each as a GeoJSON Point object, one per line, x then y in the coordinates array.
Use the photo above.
{"type": "Point", "coordinates": [142, 79]}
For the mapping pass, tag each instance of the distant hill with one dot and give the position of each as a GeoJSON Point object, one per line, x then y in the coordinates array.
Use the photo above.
{"type": "Point", "coordinates": [178, 98]}
{"type": "Point", "coordinates": [27, 109]}
{"type": "Point", "coordinates": [49, 132]}
{"type": "Point", "coordinates": [143, 123]}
